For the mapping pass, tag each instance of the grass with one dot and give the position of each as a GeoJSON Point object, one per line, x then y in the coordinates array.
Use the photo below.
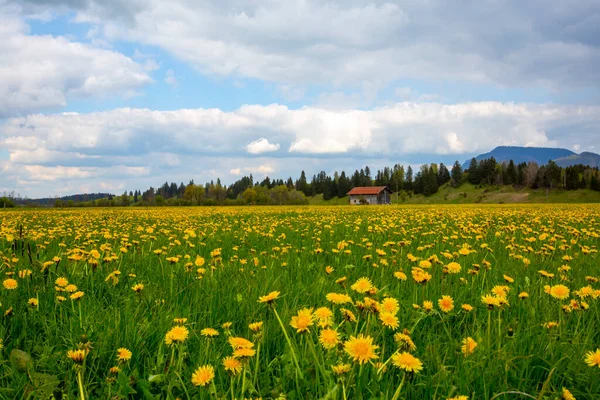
{"type": "Point", "coordinates": [211, 266]}
{"type": "Point", "coordinates": [470, 194]}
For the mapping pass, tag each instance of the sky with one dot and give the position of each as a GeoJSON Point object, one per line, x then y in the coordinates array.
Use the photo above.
{"type": "Point", "coordinates": [115, 95]}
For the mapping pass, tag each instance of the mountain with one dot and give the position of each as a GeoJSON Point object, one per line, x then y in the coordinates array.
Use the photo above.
{"type": "Point", "coordinates": [77, 198]}
{"type": "Point", "coordinates": [539, 155]}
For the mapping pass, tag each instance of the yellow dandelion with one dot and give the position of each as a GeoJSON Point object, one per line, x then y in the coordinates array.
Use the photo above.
{"type": "Point", "coordinates": [592, 358]}
{"type": "Point", "coordinates": [468, 346]}
{"type": "Point", "coordinates": [361, 349]}
{"type": "Point", "coordinates": [388, 320]}
{"type": "Point", "coordinates": [177, 334]}
{"type": "Point", "coordinates": [203, 375]}
{"type": "Point", "coordinates": [329, 338]}
{"type": "Point", "coordinates": [303, 320]}
{"type": "Point", "coordinates": [10, 284]}
{"type": "Point", "coordinates": [407, 362]}
{"type": "Point", "coordinates": [362, 285]}
{"type": "Point", "coordinates": [270, 298]}
{"type": "Point", "coordinates": [124, 354]}
{"type": "Point", "coordinates": [446, 304]}
{"type": "Point", "coordinates": [209, 332]}
{"type": "Point", "coordinates": [232, 365]}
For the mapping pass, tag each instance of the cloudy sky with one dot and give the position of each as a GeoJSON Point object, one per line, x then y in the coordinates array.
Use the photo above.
{"type": "Point", "coordinates": [114, 95]}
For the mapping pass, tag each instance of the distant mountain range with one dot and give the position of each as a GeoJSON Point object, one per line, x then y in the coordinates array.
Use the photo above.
{"type": "Point", "coordinates": [77, 198]}
{"type": "Point", "coordinates": [539, 155]}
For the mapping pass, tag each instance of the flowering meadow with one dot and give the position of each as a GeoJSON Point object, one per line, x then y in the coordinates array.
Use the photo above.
{"type": "Point", "coordinates": [445, 302]}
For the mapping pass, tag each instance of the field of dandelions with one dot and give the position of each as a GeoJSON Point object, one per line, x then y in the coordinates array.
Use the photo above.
{"type": "Point", "coordinates": [444, 302]}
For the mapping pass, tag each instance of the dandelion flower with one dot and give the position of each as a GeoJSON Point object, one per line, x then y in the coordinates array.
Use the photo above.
{"type": "Point", "coordinates": [361, 348]}
{"type": "Point", "coordinates": [388, 320]}
{"type": "Point", "coordinates": [177, 334]}
{"type": "Point", "coordinates": [329, 338]}
{"type": "Point", "coordinates": [203, 375]}
{"type": "Point", "coordinates": [338, 298]}
{"type": "Point", "coordinates": [362, 285]}
{"type": "Point", "coordinates": [468, 346]}
{"type": "Point", "coordinates": [303, 320]}
{"type": "Point", "coordinates": [592, 358]}
{"type": "Point", "coordinates": [61, 281]}
{"type": "Point", "coordinates": [77, 295]}
{"type": "Point", "coordinates": [77, 355]}
{"type": "Point", "coordinates": [467, 307]}
{"type": "Point", "coordinates": [446, 304]}
{"type": "Point", "coordinates": [270, 298]}
{"type": "Point", "coordinates": [567, 395]}
{"type": "Point", "coordinates": [407, 362]}
{"type": "Point", "coordinates": [124, 354]}
{"type": "Point", "coordinates": [232, 365]}
{"type": "Point", "coordinates": [560, 292]}
{"type": "Point", "coordinates": [10, 284]}
{"type": "Point", "coordinates": [255, 326]}
{"type": "Point", "coordinates": [453, 267]}
{"type": "Point", "coordinates": [244, 352]}
{"type": "Point", "coordinates": [427, 305]}
{"type": "Point", "coordinates": [209, 332]}
{"type": "Point", "coordinates": [240, 342]}
{"type": "Point", "coordinates": [390, 305]}
{"type": "Point", "coordinates": [341, 369]}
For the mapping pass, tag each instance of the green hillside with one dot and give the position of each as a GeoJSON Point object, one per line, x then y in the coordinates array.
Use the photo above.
{"type": "Point", "coordinates": [469, 194]}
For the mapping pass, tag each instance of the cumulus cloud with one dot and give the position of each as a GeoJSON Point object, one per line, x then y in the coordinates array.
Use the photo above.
{"type": "Point", "coordinates": [148, 145]}
{"type": "Point", "coordinates": [261, 145]}
{"type": "Point", "coordinates": [44, 72]}
{"type": "Point", "coordinates": [350, 42]}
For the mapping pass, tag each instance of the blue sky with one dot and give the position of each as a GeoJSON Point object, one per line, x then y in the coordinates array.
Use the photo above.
{"type": "Point", "coordinates": [124, 94]}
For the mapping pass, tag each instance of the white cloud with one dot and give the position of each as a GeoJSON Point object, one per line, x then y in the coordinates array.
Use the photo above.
{"type": "Point", "coordinates": [44, 72]}
{"type": "Point", "coordinates": [350, 42]}
{"type": "Point", "coordinates": [261, 145]}
{"type": "Point", "coordinates": [235, 171]}
{"type": "Point", "coordinates": [261, 169]}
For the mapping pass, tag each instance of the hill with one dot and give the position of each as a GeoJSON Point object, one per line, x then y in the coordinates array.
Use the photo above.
{"type": "Point", "coordinates": [470, 194]}
{"type": "Point", "coordinates": [77, 198]}
{"type": "Point", "coordinates": [539, 155]}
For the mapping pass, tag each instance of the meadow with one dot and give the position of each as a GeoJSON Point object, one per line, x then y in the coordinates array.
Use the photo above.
{"type": "Point", "coordinates": [391, 302]}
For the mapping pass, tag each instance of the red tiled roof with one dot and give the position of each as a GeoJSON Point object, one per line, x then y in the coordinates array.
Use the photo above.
{"type": "Point", "coordinates": [367, 190]}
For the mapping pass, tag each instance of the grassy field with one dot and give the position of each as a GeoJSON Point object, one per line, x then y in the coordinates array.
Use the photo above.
{"type": "Point", "coordinates": [411, 302]}
{"type": "Point", "coordinates": [470, 194]}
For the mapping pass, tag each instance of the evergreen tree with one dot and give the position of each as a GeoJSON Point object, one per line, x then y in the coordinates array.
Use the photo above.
{"type": "Point", "coordinates": [443, 175]}
{"type": "Point", "coordinates": [457, 174]}
{"type": "Point", "coordinates": [409, 178]}
{"type": "Point", "coordinates": [474, 172]}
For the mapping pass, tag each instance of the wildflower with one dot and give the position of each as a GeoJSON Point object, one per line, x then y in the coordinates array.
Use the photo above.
{"type": "Point", "coordinates": [329, 338]}
{"type": "Point", "coordinates": [490, 301]}
{"type": "Point", "coordinates": [560, 292]}
{"type": "Point", "coordinates": [427, 305]}
{"type": "Point", "coordinates": [77, 356]}
{"type": "Point", "coordinates": [361, 348]}
{"type": "Point", "coordinates": [61, 281]}
{"type": "Point", "coordinates": [407, 362]}
{"type": "Point", "coordinates": [124, 354]}
{"type": "Point", "coordinates": [137, 288]}
{"type": "Point", "coordinates": [468, 346]}
{"type": "Point", "coordinates": [324, 316]}
{"type": "Point", "coordinates": [203, 375]}
{"type": "Point", "coordinates": [362, 285]}
{"type": "Point", "coordinates": [523, 295]}
{"type": "Point", "coordinates": [255, 326]}
{"type": "Point", "coordinates": [467, 307]}
{"type": "Point", "coordinates": [446, 304]}
{"type": "Point", "coordinates": [177, 334]}
{"type": "Point", "coordinates": [240, 342]}
{"type": "Point", "coordinates": [270, 298]}
{"type": "Point", "coordinates": [232, 365]}
{"type": "Point", "coordinates": [550, 324]}
{"type": "Point", "coordinates": [388, 320]}
{"type": "Point", "coordinates": [453, 267]}
{"type": "Point", "coordinates": [404, 341]}
{"type": "Point", "coordinates": [303, 320]}
{"type": "Point", "coordinates": [390, 305]}
{"type": "Point", "coordinates": [226, 325]}
{"type": "Point", "coordinates": [77, 295]}
{"type": "Point", "coordinates": [400, 275]}
{"type": "Point", "coordinates": [244, 352]}
{"type": "Point", "coordinates": [329, 269]}
{"type": "Point", "coordinates": [209, 332]}
{"type": "Point", "coordinates": [341, 369]}
{"type": "Point", "coordinates": [592, 358]}
{"type": "Point", "coordinates": [348, 315]}
{"type": "Point", "coordinates": [10, 284]}
{"type": "Point", "coordinates": [567, 395]}
{"type": "Point", "coordinates": [338, 298]}
{"type": "Point", "coordinates": [508, 278]}
{"type": "Point", "coordinates": [180, 321]}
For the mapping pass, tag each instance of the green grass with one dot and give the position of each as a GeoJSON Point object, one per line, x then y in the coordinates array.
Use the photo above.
{"type": "Point", "coordinates": [470, 194]}
{"type": "Point", "coordinates": [293, 246]}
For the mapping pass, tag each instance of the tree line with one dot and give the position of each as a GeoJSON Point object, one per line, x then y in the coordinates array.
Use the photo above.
{"type": "Point", "coordinates": [404, 181]}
